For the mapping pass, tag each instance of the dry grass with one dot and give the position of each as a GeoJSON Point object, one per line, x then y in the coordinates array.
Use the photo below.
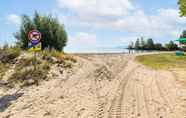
{"type": "Point", "coordinates": [3, 69]}
{"type": "Point", "coordinates": [9, 55]}
{"type": "Point", "coordinates": [163, 61]}
{"type": "Point", "coordinates": [24, 72]}
{"type": "Point", "coordinates": [30, 76]}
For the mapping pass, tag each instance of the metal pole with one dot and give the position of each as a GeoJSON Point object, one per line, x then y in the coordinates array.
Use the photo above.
{"type": "Point", "coordinates": [35, 59]}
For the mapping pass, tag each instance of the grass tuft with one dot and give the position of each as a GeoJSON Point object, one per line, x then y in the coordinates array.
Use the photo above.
{"type": "Point", "coordinates": [9, 55]}
{"type": "Point", "coordinates": [27, 77]}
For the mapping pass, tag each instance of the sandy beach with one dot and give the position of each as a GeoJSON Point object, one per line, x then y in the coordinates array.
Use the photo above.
{"type": "Point", "coordinates": [101, 86]}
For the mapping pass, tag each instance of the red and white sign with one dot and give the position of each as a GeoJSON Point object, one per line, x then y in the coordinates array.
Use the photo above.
{"type": "Point", "coordinates": [34, 36]}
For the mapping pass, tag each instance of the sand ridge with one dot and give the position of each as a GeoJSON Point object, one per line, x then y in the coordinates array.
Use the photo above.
{"type": "Point", "coordinates": [102, 86]}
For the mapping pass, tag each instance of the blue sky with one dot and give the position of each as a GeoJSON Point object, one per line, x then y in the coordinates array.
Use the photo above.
{"type": "Point", "coordinates": [98, 24]}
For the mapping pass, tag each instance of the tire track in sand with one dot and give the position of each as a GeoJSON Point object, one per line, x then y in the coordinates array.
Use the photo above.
{"type": "Point", "coordinates": [115, 110]}
{"type": "Point", "coordinates": [138, 102]}
{"type": "Point", "coordinates": [100, 113]}
{"type": "Point", "coordinates": [167, 100]}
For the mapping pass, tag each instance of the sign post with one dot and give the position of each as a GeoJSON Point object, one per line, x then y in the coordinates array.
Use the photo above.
{"type": "Point", "coordinates": [34, 37]}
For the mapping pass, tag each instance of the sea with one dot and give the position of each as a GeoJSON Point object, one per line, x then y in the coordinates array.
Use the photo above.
{"type": "Point", "coordinates": [103, 50]}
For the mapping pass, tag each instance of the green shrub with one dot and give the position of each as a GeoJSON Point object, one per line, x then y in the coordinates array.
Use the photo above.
{"type": "Point", "coordinates": [53, 33]}
{"type": "Point", "coordinates": [27, 62]}
{"type": "Point", "coordinates": [27, 77]}
{"type": "Point", "coordinates": [8, 55]}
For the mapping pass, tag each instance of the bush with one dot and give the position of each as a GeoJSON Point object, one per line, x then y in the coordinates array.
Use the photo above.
{"type": "Point", "coordinates": [27, 77]}
{"type": "Point", "coordinates": [8, 55]}
{"type": "Point", "coordinates": [60, 56]}
{"type": "Point", "coordinates": [53, 33]}
{"type": "Point", "coordinates": [27, 62]}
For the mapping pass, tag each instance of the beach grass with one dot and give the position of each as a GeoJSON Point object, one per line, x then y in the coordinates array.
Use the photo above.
{"type": "Point", "coordinates": [162, 61]}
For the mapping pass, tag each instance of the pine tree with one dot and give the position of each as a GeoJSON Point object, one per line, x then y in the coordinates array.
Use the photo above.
{"type": "Point", "coordinates": [150, 44]}
{"type": "Point", "coordinates": [137, 44]}
{"type": "Point", "coordinates": [142, 43]}
{"type": "Point", "coordinates": [53, 33]}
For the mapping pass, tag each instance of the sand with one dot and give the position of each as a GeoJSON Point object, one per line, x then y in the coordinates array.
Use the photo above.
{"type": "Point", "coordinates": [101, 86]}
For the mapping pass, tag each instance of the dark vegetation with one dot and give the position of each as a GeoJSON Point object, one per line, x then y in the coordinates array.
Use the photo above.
{"type": "Point", "coordinates": [142, 44]}
{"type": "Point", "coordinates": [149, 44]}
{"type": "Point", "coordinates": [182, 7]}
{"type": "Point", "coordinates": [24, 72]}
{"type": "Point", "coordinates": [53, 33]}
{"type": "Point", "coordinates": [27, 77]}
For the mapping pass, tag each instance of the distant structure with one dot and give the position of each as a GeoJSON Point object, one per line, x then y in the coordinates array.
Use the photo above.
{"type": "Point", "coordinates": [182, 42]}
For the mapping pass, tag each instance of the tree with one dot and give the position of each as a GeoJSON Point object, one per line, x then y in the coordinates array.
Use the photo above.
{"type": "Point", "coordinates": [171, 46]}
{"type": "Point", "coordinates": [142, 43]}
{"type": "Point", "coordinates": [182, 7]}
{"type": "Point", "coordinates": [131, 45]}
{"type": "Point", "coordinates": [137, 44]}
{"type": "Point", "coordinates": [158, 46]}
{"type": "Point", "coordinates": [183, 35]}
{"type": "Point", "coordinates": [53, 33]}
{"type": "Point", "coordinates": [150, 44]}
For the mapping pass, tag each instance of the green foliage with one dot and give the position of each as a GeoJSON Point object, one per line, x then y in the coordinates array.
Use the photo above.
{"type": "Point", "coordinates": [54, 35]}
{"type": "Point", "coordinates": [25, 75]}
{"type": "Point", "coordinates": [182, 7]}
{"type": "Point", "coordinates": [183, 35]}
{"type": "Point", "coordinates": [150, 44]}
{"type": "Point", "coordinates": [171, 46]}
{"type": "Point", "coordinates": [142, 43]}
{"type": "Point", "coordinates": [158, 46]}
{"type": "Point", "coordinates": [28, 77]}
{"type": "Point", "coordinates": [162, 61]}
{"type": "Point", "coordinates": [137, 44]}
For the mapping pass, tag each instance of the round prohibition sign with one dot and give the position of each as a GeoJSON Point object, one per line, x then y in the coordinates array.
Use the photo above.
{"type": "Point", "coordinates": [34, 36]}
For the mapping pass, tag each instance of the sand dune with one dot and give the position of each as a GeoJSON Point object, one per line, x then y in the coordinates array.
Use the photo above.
{"type": "Point", "coordinates": [102, 86]}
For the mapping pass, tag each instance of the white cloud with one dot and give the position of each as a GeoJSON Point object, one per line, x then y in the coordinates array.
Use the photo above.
{"type": "Point", "coordinates": [164, 22]}
{"type": "Point", "coordinates": [82, 40]}
{"type": "Point", "coordinates": [97, 8]}
{"type": "Point", "coordinates": [14, 19]}
{"type": "Point", "coordinates": [122, 15]}
{"type": "Point", "coordinates": [126, 40]}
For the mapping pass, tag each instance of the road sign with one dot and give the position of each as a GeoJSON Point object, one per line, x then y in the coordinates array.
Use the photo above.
{"type": "Point", "coordinates": [34, 36]}
{"type": "Point", "coordinates": [35, 47]}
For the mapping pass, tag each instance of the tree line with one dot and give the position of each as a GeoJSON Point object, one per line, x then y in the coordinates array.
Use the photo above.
{"type": "Point", "coordinates": [142, 44]}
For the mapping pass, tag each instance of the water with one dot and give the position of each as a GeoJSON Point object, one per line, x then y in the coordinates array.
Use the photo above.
{"type": "Point", "coordinates": [105, 50]}
{"type": "Point", "coordinates": [98, 50]}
